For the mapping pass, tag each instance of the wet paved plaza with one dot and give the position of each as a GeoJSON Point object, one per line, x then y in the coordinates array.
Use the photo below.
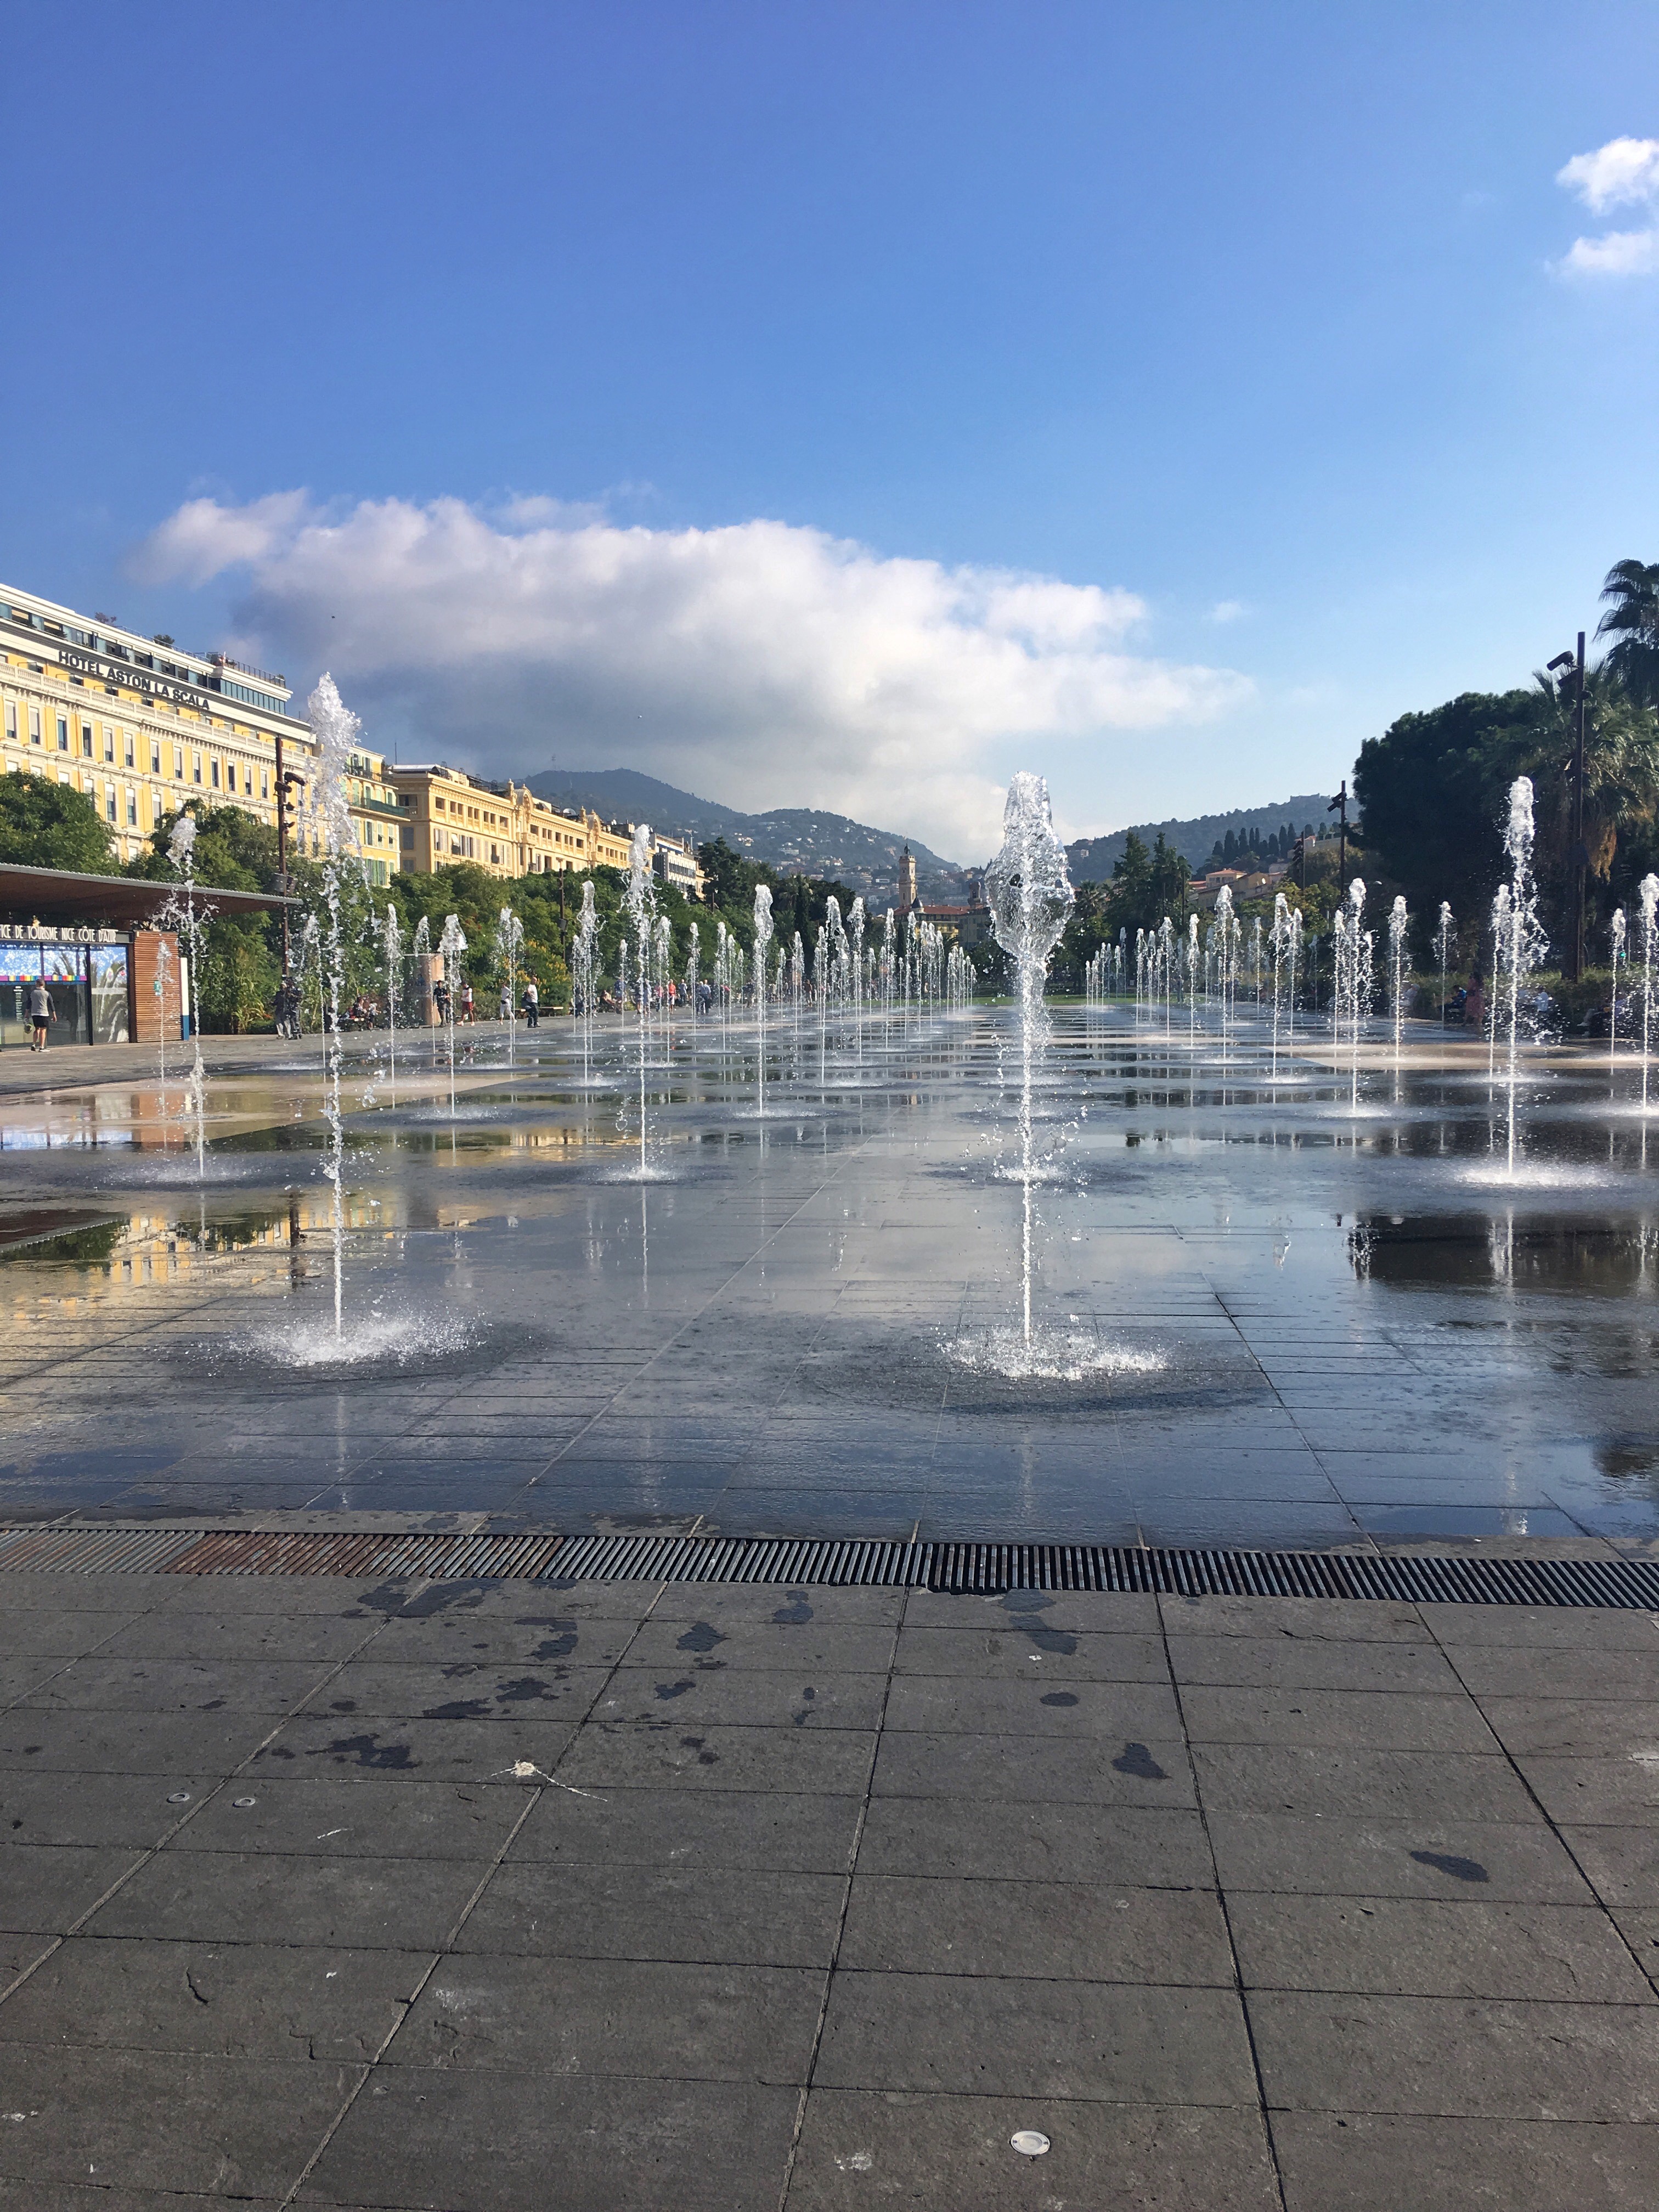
{"type": "Point", "coordinates": [1295, 1322]}
{"type": "Point", "coordinates": [469, 1896]}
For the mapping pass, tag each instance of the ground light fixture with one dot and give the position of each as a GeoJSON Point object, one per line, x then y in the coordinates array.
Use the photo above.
{"type": "Point", "coordinates": [1029, 2143]}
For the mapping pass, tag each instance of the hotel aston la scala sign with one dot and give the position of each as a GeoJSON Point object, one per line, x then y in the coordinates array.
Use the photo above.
{"type": "Point", "coordinates": [122, 672]}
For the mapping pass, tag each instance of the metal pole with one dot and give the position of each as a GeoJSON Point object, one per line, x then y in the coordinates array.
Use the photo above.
{"type": "Point", "coordinates": [1580, 858]}
{"type": "Point", "coordinates": [281, 847]}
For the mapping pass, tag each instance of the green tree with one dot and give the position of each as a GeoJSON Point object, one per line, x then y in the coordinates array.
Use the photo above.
{"type": "Point", "coordinates": [1431, 790]}
{"type": "Point", "coordinates": [1621, 769]}
{"type": "Point", "coordinates": [1632, 622]}
{"type": "Point", "coordinates": [45, 824]}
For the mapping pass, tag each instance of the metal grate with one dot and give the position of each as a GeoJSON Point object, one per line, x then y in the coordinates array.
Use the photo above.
{"type": "Point", "coordinates": [964, 1569]}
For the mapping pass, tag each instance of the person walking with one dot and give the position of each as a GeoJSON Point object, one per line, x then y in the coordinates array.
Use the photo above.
{"type": "Point", "coordinates": [533, 1000]}
{"type": "Point", "coordinates": [41, 1010]}
{"type": "Point", "coordinates": [468, 1007]}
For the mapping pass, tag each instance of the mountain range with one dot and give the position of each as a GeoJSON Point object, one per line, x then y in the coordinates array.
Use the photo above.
{"type": "Point", "coordinates": [1091, 858]}
{"type": "Point", "coordinates": [795, 840]}
{"type": "Point", "coordinates": [806, 841]}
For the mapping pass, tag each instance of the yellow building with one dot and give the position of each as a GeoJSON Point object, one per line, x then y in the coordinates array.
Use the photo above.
{"type": "Point", "coordinates": [139, 726]}
{"type": "Point", "coordinates": [377, 815]}
{"type": "Point", "coordinates": [447, 816]}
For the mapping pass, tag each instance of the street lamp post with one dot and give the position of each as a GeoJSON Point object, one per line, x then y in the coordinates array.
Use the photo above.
{"type": "Point", "coordinates": [1338, 806]}
{"type": "Point", "coordinates": [1580, 857]}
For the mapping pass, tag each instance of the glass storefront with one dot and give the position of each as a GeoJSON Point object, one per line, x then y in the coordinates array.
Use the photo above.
{"type": "Point", "coordinates": [87, 983]}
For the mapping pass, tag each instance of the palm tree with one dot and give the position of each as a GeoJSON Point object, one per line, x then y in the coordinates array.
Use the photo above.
{"type": "Point", "coordinates": [1632, 621]}
{"type": "Point", "coordinates": [1621, 763]}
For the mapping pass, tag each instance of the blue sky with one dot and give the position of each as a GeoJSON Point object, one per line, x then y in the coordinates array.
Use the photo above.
{"type": "Point", "coordinates": [839, 405]}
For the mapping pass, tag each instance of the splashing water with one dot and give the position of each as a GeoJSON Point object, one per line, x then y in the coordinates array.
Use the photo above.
{"type": "Point", "coordinates": [451, 945]}
{"type": "Point", "coordinates": [763, 939]}
{"type": "Point", "coordinates": [1616, 934]}
{"type": "Point", "coordinates": [336, 729]}
{"type": "Point", "coordinates": [181, 852]}
{"type": "Point", "coordinates": [641, 907]}
{"type": "Point", "coordinates": [392, 937]}
{"type": "Point", "coordinates": [1030, 895]}
{"type": "Point", "coordinates": [1520, 939]}
{"type": "Point", "coordinates": [1443, 940]}
{"type": "Point", "coordinates": [509, 948]}
{"type": "Point", "coordinates": [1399, 922]}
{"type": "Point", "coordinates": [1649, 895]}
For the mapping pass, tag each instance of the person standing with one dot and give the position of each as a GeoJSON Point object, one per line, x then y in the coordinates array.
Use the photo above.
{"type": "Point", "coordinates": [468, 1006]}
{"type": "Point", "coordinates": [532, 999]}
{"type": "Point", "coordinates": [41, 1010]}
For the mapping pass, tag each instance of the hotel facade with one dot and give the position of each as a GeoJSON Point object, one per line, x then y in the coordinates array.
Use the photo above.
{"type": "Point", "coordinates": [142, 728]}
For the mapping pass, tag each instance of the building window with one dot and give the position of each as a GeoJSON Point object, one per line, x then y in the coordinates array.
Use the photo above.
{"type": "Point", "coordinates": [109, 802]}
{"type": "Point", "coordinates": [109, 743]}
{"type": "Point", "coordinates": [11, 719]}
{"type": "Point", "coordinates": [132, 809]}
{"type": "Point", "coordinates": [265, 783]}
{"type": "Point", "coordinates": [86, 740]}
{"type": "Point", "coordinates": [34, 725]}
{"type": "Point", "coordinates": [196, 768]}
{"type": "Point", "coordinates": [178, 763]}
{"type": "Point", "coordinates": [63, 733]}
{"type": "Point", "coordinates": [130, 750]}
{"type": "Point", "coordinates": [213, 770]}
{"type": "Point", "coordinates": [156, 756]}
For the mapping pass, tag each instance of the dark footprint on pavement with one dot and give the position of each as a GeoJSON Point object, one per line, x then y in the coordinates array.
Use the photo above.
{"type": "Point", "coordinates": [796, 1614]}
{"type": "Point", "coordinates": [701, 1636]}
{"type": "Point", "coordinates": [1449, 1862]}
{"type": "Point", "coordinates": [1136, 1760]}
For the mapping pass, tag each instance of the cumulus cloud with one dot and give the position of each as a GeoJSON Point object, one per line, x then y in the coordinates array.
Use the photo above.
{"type": "Point", "coordinates": [1625, 173]}
{"type": "Point", "coordinates": [761, 664]}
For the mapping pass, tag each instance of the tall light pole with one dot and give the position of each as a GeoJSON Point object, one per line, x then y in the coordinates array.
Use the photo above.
{"type": "Point", "coordinates": [1580, 857]}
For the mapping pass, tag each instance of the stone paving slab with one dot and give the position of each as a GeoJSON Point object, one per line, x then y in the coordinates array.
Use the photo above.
{"type": "Point", "coordinates": [389, 1895]}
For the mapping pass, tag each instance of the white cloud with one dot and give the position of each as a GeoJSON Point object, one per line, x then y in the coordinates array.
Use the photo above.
{"type": "Point", "coordinates": [1227, 611]}
{"type": "Point", "coordinates": [1623, 172]}
{"type": "Point", "coordinates": [761, 664]}
{"type": "Point", "coordinates": [1614, 175]}
{"type": "Point", "coordinates": [1615, 254]}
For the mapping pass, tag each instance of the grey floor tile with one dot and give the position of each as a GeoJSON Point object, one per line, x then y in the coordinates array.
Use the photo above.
{"type": "Point", "coordinates": [370, 1815]}
{"type": "Point", "coordinates": [1337, 1784]}
{"type": "Point", "coordinates": [233, 2001]}
{"type": "Point", "coordinates": [834, 1647]}
{"type": "Point", "coordinates": [1622, 1862]}
{"type": "Point", "coordinates": [463, 1689]}
{"type": "Point", "coordinates": [1093, 1771]}
{"type": "Point", "coordinates": [1066, 1931]}
{"type": "Point", "coordinates": [980, 2036]}
{"type": "Point", "coordinates": [45, 1887]}
{"type": "Point", "coordinates": [460, 1750]}
{"type": "Point", "coordinates": [1307, 1662]}
{"type": "Point", "coordinates": [938, 1705]}
{"type": "Point", "coordinates": [1454, 2058]}
{"type": "Point", "coordinates": [27, 1632]}
{"type": "Point", "coordinates": [1420, 1948]}
{"type": "Point", "coordinates": [310, 1638]}
{"type": "Point", "coordinates": [738, 1915]}
{"type": "Point", "coordinates": [1365, 2162]}
{"type": "Point", "coordinates": [1015, 1652]}
{"type": "Point", "coordinates": [858, 2148]}
{"type": "Point", "coordinates": [834, 1762]}
{"type": "Point", "coordinates": [475, 2142]}
{"type": "Point", "coordinates": [1099, 1612]}
{"type": "Point", "coordinates": [1320, 1620]}
{"type": "Point", "coordinates": [132, 1743]}
{"type": "Point", "coordinates": [659, 2020]}
{"type": "Point", "coordinates": [1009, 1839]}
{"type": "Point", "coordinates": [225, 1897]}
{"type": "Point", "coordinates": [709, 1828]}
{"type": "Point", "coordinates": [1431, 1855]}
{"type": "Point", "coordinates": [748, 1697]}
{"type": "Point", "coordinates": [49, 1807]}
{"type": "Point", "coordinates": [1308, 1718]}
{"type": "Point", "coordinates": [233, 2126]}
{"type": "Point", "coordinates": [1612, 1727]}
{"type": "Point", "coordinates": [1594, 1791]}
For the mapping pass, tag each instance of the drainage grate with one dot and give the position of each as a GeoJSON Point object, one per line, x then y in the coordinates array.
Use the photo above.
{"type": "Point", "coordinates": [963, 1569]}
